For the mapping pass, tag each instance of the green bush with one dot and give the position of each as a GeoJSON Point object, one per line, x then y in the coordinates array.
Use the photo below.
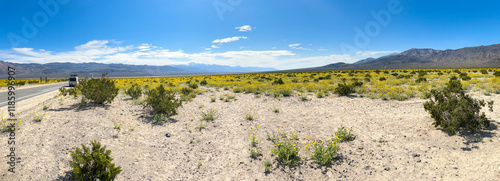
{"type": "Point", "coordinates": [421, 79]}
{"type": "Point", "coordinates": [203, 83]}
{"type": "Point", "coordinates": [193, 86]}
{"type": "Point", "coordinates": [497, 74]}
{"type": "Point", "coordinates": [162, 101]}
{"type": "Point", "coordinates": [278, 82]}
{"type": "Point", "coordinates": [382, 78]}
{"type": "Point", "coordinates": [63, 91]}
{"type": "Point", "coordinates": [286, 151]}
{"type": "Point", "coordinates": [324, 153]}
{"type": "Point", "coordinates": [92, 165]}
{"type": "Point", "coordinates": [484, 71]}
{"type": "Point", "coordinates": [343, 134]}
{"type": "Point", "coordinates": [99, 91]}
{"type": "Point", "coordinates": [344, 89]}
{"type": "Point", "coordinates": [135, 91]}
{"type": "Point", "coordinates": [452, 109]}
{"type": "Point", "coordinates": [186, 90]}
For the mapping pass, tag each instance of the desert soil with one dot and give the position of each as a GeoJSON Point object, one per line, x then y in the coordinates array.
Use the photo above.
{"type": "Point", "coordinates": [394, 140]}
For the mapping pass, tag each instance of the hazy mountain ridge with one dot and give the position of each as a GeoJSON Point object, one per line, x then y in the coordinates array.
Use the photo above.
{"type": "Point", "coordinates": [468, 57]}
{"type": "Point", "coordinates": [220, 68]}
{"type": "Point", "coordinates": [64, 69]}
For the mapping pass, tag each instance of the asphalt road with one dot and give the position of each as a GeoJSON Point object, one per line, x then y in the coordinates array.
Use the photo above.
{"type": "Point", "coordinates": [23, 94]}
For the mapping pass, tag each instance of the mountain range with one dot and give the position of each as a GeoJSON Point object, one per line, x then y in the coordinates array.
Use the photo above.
{"type": "Point", "coordinates": [468, 57]}
{"type": "Point", "coordinates": [63, 70]}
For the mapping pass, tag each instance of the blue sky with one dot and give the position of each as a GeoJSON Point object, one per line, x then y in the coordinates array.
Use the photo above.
{"type": "Point", "coordinates": [283, 34]}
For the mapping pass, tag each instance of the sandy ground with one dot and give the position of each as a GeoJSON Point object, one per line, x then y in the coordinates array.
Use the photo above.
{"type": "Point", "coordinates": [394, 140]}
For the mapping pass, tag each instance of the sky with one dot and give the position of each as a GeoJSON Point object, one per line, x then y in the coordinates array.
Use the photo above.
{"type": "Point", "coordinates": [282, 34]}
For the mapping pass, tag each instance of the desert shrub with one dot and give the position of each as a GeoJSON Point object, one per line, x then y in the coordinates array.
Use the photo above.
{"type": "Point", "coordinates": [63, 91]}
{"type": "Point", "coordinates": [382, 78]}
{"type": "Point", "coordinates": [209, 115]}
{"type": "Point", "coordinates": [344, 89]}
{"type": "Point", "coordinates": [452, 109]}
{"type": "Point", "coordinates": [237, 90]}
{"type": "Point", "coordinates": [268, 166]}
{"type": "Point", "coordinates": [99, 91]}
{"type": "Point", "coordinates": [203, 83]}
{"type": "Point", "coordinates": [162, 101]}
{"type": "Point", "coordinates": [278, 82]}
{"type": "Point", "coordinates": [324, 153]}
{"type": "Point", "coordinates": [497, 74]}
{"type": "Point", "coordinates": [193, 86]}
{"type": "Point", "coordinates": [286, 152]}
{"type": "Point", "coordinates": [93, 164]}
{"type": "Point", "coordinates": [465, 77]}
{"type": "Point", "coordinates": [421, 79]}
{"type": "Point", "coordinates": [357, 83]}
{"type": "Point", "coordinates": [484, 71]}
{"type": "Point", "coordinates": [135, 91]}
{"type": "Point", "coordinates": [440, 73]}
{"type": "Point", "coordinates": [75, 90]}
{"type": "Point", "coordinates": [343, 134]}
{"type": "Point", "coordinates": [320, 94]}
{"type": "Point", "coordinates": [186, 90]}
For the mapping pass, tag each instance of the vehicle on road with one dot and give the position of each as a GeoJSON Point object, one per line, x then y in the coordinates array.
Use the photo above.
{"type": "Point", "coordinates": [73, 80]}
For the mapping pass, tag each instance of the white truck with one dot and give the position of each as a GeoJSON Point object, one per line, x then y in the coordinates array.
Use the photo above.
{"type": "Point", "coordinates": [73, 80]}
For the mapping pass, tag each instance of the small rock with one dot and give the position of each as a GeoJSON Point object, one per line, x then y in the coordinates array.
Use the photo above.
{"type": "Point", "coordinates": [387, 169]}
{"type": "Point", "coordinates": [415, 155]}
{"type": "Point", "coordinates": [418, 161]}
{"type": "Point", "coordinates": [168, 135]}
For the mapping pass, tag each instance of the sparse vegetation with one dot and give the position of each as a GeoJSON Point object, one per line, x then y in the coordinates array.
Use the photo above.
{"type": "Point", "coordinates": [209, 115]}
{"type": "Point", "coordinates": [343, 134]}
{"type": "Point", "coordinates": [287, 151]}
{"type": "Point", "coordinates": [325, 152]}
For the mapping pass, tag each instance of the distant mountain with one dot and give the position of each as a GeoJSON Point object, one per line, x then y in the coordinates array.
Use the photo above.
{"type": "Point", "coordinates": [370, 59]}
{"type": "Point", "coordinates": [63, 70]}
{"type": "Point", "coordinates": [220, 68]}
{"type": "Point", "coordinates": [468, 57]}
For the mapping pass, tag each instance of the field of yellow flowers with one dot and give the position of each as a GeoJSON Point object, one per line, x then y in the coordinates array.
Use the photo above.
{"type": "Point", "coordinates": [21, 82]}
{"type": "Point", "coordinates": [400, 84]}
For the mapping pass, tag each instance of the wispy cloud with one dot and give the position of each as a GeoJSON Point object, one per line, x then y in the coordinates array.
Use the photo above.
{"type": "Point", "coordinates": [297, 47]}
{"type": "Point", "coordinates": [213, 46]}
{"type": "Point", "coordinates": [244, 28]}
{"type": "Point", "coordinates": [230, 39]}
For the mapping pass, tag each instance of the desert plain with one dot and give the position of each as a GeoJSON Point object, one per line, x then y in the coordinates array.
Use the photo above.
{"type": "Point", "coordinates": [393, 140]}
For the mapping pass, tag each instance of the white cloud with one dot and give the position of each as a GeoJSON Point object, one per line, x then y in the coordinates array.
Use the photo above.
{"type": "Point", "coordinates": [244, 28]}
{"type": "Point", "coordinates": [373, 53]}
{"type": "Point", "coordinates": [230, 39]}
{"type": "Point", "coordinates": [109, 52]}
{"type": "Point", "coordinates": [213, 46]}
{"type": "Point", "coordinates": [297, 46]}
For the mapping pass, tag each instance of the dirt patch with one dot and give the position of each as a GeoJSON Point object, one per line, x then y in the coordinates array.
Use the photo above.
{"type": "Point", "coordinates": [394, 140]}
